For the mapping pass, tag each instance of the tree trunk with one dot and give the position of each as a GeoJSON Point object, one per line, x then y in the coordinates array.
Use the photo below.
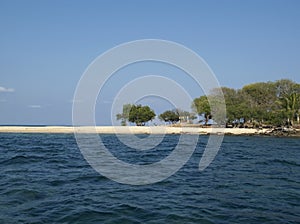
{"type": "Point", "coordinates": [206, 119]}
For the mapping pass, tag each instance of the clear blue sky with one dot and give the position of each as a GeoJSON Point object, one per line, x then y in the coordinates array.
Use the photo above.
{"type": "Point", "coordinates": [45, 46]}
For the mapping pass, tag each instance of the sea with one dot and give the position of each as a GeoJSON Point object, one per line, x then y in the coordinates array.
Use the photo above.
{"type": "Point", "coordinates": [44, 178]}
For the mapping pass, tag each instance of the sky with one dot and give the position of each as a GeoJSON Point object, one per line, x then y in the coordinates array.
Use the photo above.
{"type": "Point", "coordinates": [45, 47]}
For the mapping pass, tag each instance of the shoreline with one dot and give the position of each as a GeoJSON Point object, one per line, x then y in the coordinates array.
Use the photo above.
{"type": "Point", "coordinates": [143, 130]}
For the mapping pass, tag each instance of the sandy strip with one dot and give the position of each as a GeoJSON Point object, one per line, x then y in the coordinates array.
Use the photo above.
{"type": "Point", "coordinates": [131, 130]}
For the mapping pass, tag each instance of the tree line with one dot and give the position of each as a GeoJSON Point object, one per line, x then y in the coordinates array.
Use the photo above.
{"type": "Point", "coordinates": [254, 105]}
{"type": "Point", "coordinates": [139, 115]}
{"type": "Point", "coordinates": [258, 104]}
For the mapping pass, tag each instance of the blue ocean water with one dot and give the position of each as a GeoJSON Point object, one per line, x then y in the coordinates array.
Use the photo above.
{"type": "Point", "coordinates": [45, 179]}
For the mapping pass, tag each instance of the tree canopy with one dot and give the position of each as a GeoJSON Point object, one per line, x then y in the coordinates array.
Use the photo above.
{"type": "Point", "coordinates": [263, 103]}
{"type": "Point", "coordinates": [124, 116]}
{"type": "Point", "coordinates": [139, 114]}
{"type": "Point", "coordinates": [202, 107]}
{"type": "Point", "coordinates": [177, 115]}
{"type": "Point", "coordinates": [257, 104]}
{"type": "Point", "coordinates": [171, 116]}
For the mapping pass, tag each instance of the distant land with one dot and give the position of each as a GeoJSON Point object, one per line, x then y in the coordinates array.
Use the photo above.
{"type": "Point", "coordinates": [151, 130]}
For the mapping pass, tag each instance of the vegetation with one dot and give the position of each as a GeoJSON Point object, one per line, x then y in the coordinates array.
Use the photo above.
{"type": "Point", "coordinates": [124, 116]}
{"type": "Point", "coordinates": [264, 103]}
{"type": "Point", "coordinates": [174, 116]}
{"type": "Point", "coordinates": [140, 114]}
{"type": "Point", "coordinates": [202, 107]}
{"type": "Point", "coordinates": [255, 105]}
{"type": "Point", "coordinates": [170, 116]}
{"type": "Point", "coordinates": [137, 114]}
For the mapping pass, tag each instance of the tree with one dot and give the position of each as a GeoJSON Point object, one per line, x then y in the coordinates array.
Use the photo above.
{"type": "Point", "coordinates": [140, 114]}
{"type": "Point", "coordinates": [285, 87]}
{"type": "Point", "coordinates": [235, 106]}
{"type": "Point", "coordinates": [261, 99]}
{"type": "Point", "coordinates": [288, 93]}
{"type": "Point", "coordinates": [256, 104]}
{"type": "Point", "coordinates": [202, 107]}
{"type": "Point", "coordinates": [171, 116]}
{"type": "Point", "coordinates": [291, 105]}
{"type": "Point", "coordinates": [124, 116]}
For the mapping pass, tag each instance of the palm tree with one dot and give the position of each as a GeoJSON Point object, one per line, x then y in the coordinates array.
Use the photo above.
{"type": "Point", "coordinates": [291, 105]}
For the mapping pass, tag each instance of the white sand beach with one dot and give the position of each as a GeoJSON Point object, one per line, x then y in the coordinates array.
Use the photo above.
{"type": "Point", "coordinates": [131, 130]}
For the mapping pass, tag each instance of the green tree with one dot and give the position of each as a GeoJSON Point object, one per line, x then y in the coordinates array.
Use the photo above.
{"type": "Point", "coordinates": [124, 116]}
{"type": "Point", "coordinates": [291, 105]}
{"type": "Point", "coordinates": [140, 114]}
{"type": "Point", "coordinates": [233, 102]}
{"type": "Point", "coordinates": [288, 93]}
{"type": "Point", "coordinates": [202, 107]}
{"type": "Point", "coordinates": [256, 104]}
{"type": "Point", "coordinates": [286, 87]}
{"type": "Point", "coordinates": [171, 116]}
{"type": "Point", "coordinates": [261, 99]}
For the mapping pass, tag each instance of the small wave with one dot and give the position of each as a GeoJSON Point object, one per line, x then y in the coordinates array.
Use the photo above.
{"type": "Point", "coordinates": [286, 162]}
{"type": "Point", "coordinates": [87, 216]}
{"type": "Point", "coordinates": [24, 194]}
{"type": "Point", "coordinates": [21, 159]}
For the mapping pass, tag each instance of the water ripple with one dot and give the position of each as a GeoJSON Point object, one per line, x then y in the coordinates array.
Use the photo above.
{"type": "Point", "coordinates": [45, 179]}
